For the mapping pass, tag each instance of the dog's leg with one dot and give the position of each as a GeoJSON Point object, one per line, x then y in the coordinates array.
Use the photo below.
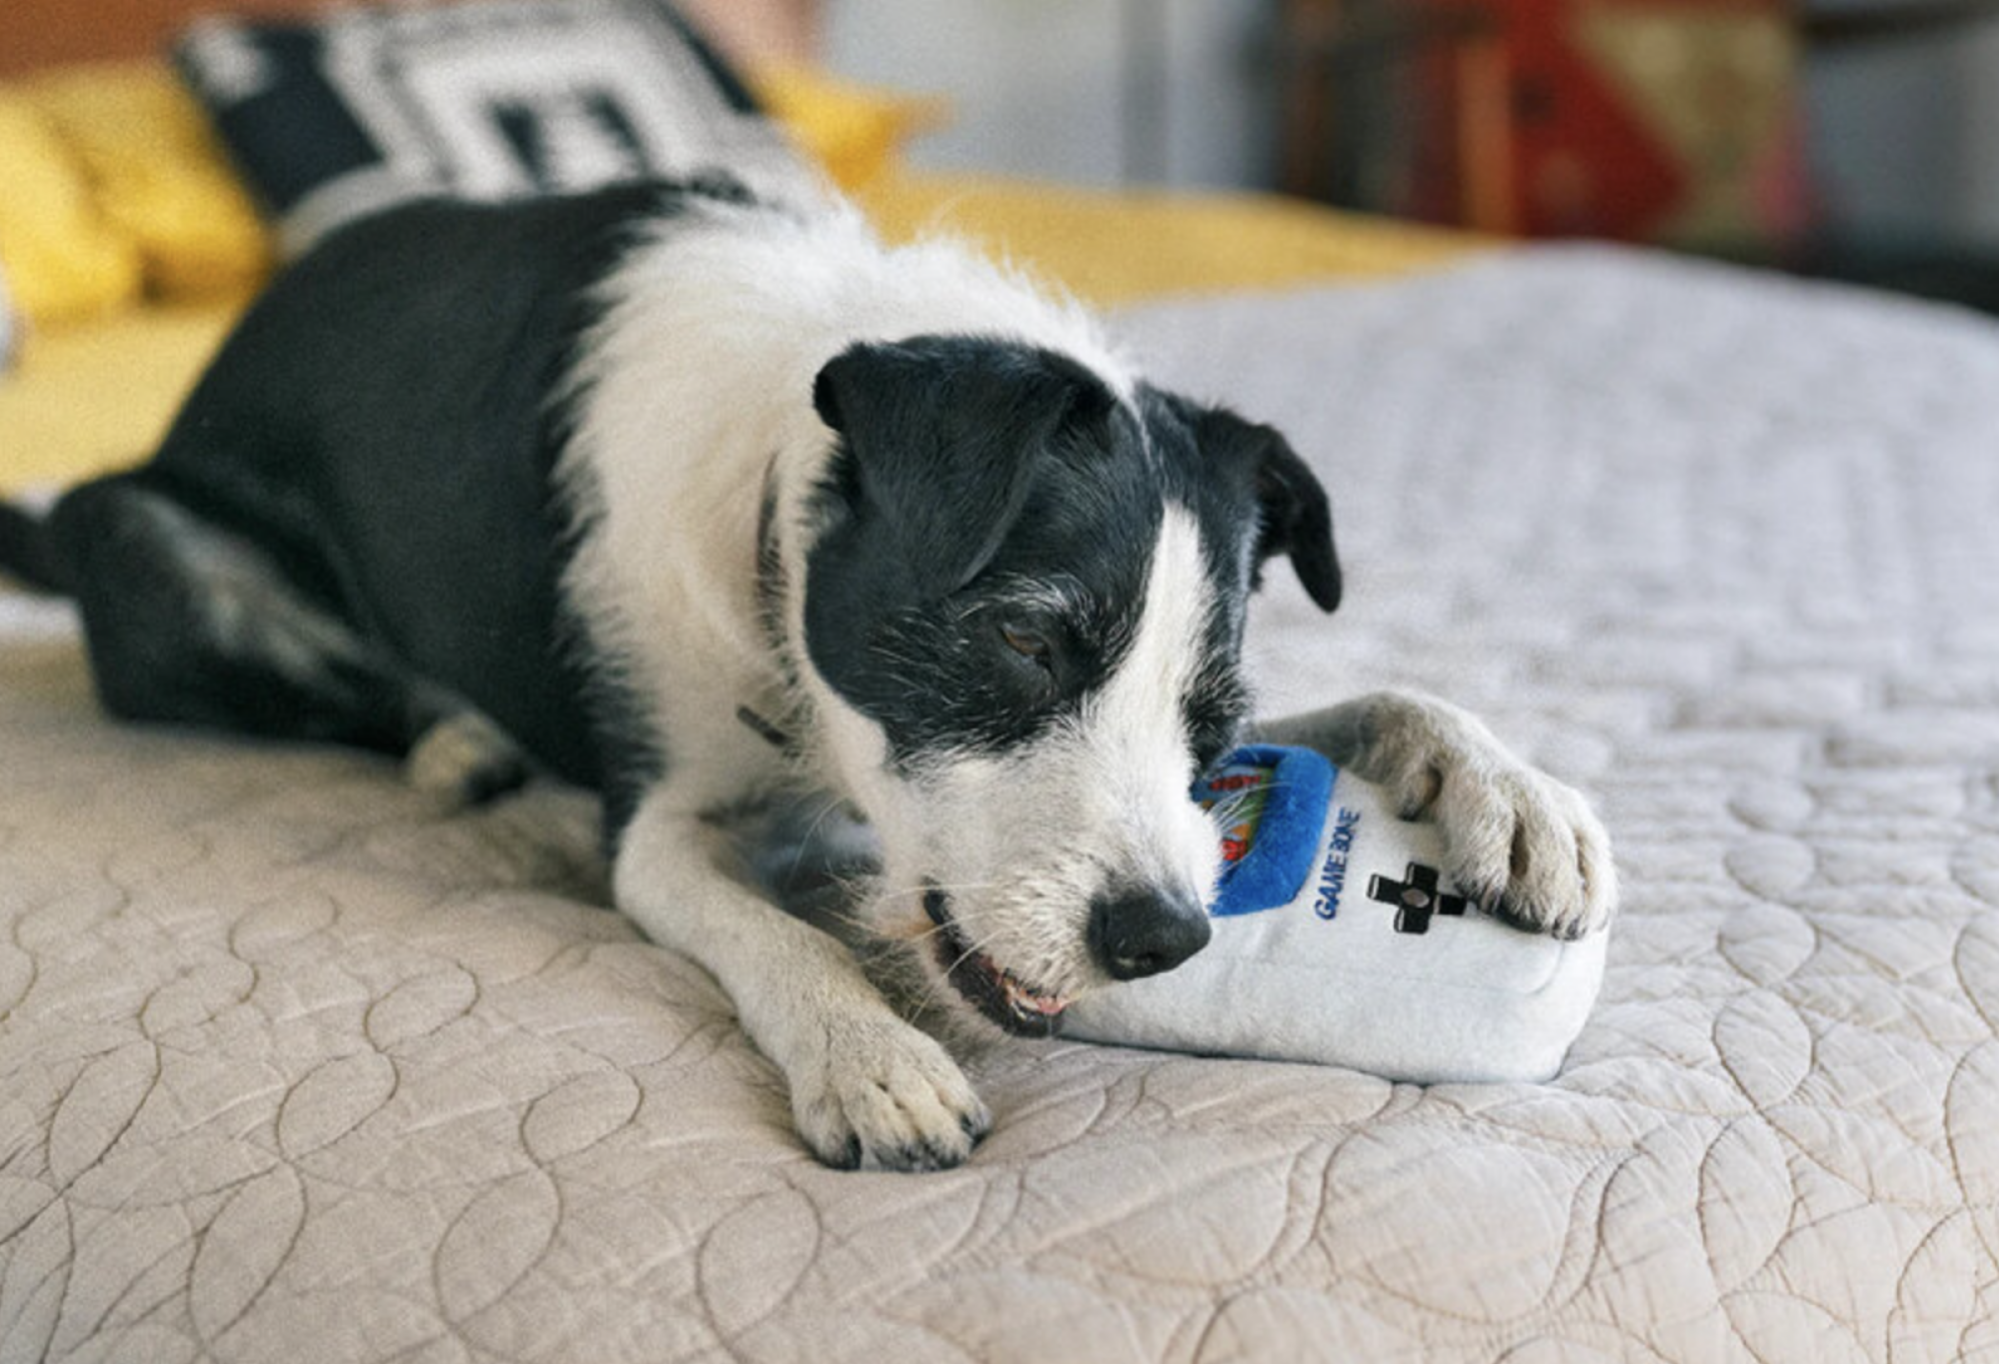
{"type": "Point", "coordinates": [867, 1088]}
{"type": "Point", "coordinates": [188, 623]}
{"type": "Point", "coordinates": [463, 758]}
{"type": "Point", "coordinates": [1526, 847]}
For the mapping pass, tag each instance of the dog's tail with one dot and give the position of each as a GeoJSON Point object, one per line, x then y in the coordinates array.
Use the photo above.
{"type": "Point", "coordinates": [28, 551]}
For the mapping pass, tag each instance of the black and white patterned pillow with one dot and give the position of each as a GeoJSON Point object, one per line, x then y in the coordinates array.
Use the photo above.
{"type": "Point", "coordinates": [335, 118]}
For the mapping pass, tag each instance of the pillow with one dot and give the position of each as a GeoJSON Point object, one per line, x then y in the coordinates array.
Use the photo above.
{"type": "Point", "coordinates": [334, 118]}
{"type": "Point", "coordinates": [62, 260]}
{"type": "Point", "coordinates": [156, 177]}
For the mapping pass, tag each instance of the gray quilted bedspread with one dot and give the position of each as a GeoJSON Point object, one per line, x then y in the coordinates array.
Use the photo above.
{"type": "Point", "coordinates": [294, 1068]}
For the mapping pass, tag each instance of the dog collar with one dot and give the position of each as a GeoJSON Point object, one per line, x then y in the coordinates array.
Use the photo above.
{"type": "Point", "coordinates": [763, 728]}
{"type": "Point", "coordinates": [770, 607]}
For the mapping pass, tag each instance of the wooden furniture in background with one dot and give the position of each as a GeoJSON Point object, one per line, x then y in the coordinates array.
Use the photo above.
{"type": "Point", "coordinates": [1324, 44]}
{"type": "Point", "coordinates": [1670, 122]}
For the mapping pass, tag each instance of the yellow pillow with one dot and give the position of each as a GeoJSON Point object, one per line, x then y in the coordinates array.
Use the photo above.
{"type": "Point", "coordinates": [854, 131]}
{"type": "Point", "coordinates": [158, 176]}
{"type": "Point", "coordinates": [114, 181]}
{"type": "Point", "coordinates": [61, 259]}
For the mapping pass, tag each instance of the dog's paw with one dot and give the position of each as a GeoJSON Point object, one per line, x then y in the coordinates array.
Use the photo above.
{"type": "Point", "coordinates": [879, 1094]}
{"type": "Point", "coordinates": [465, 760]}
{"type": "Point", "coordinates": [1528, 849]}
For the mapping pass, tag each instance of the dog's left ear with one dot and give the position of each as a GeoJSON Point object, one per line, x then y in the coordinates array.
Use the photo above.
{"type": "Point", "coordinates": [944, 434]}
{"type": "Point", "coordinates": [1296, 517]}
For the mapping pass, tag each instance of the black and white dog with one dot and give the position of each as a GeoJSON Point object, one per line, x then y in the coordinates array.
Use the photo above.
{"type": "Point", "coordinates": [702, 502]}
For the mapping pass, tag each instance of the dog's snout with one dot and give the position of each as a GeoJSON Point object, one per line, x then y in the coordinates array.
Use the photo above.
{"type": "Point", "coordinates": [1142, 932]}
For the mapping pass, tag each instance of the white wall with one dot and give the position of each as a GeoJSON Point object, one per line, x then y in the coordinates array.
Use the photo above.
{"type": "Point", "coordinates": [1905, 135]}
{"type": "Point", "coordinates": [1977, 210]}
{"type": "Point", "coordinates": [1064, 89]}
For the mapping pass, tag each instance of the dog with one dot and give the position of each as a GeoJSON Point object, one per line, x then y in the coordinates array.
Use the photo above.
{"type": "Point", "coordinates": [703, 501]}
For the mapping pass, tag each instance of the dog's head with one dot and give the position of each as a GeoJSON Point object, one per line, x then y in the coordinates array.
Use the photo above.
{"type": "Point", "coordinates": [1024, 610]}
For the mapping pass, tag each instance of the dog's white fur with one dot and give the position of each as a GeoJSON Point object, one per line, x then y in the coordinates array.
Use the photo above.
{"type": "Point", "coordinates": [751, 305]}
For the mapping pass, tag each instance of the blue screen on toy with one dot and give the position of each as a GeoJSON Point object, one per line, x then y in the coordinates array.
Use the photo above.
{"type": "Point", "coordinates": [1269, 805]}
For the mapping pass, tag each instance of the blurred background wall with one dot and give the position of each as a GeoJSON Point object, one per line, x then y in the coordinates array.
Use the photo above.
{"type": "Point", "coordinates": [1097, 92]}
{"type": "Point", "coordinates": [1899, 130]}
{"type": "Point", "coordinates": [1904, 129]}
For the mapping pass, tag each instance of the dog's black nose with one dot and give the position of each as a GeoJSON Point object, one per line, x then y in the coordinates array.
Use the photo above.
{"type": "Point", "coordinates": [1137, 933]}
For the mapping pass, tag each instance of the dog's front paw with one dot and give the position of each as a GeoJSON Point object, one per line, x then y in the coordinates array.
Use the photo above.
{"type": "Point", "coordinates": [1527, 848]}
{"type": "Point", "coordinates": [879, 1094]}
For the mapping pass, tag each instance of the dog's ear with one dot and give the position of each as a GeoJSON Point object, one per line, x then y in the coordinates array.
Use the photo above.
{"type": "Point", "coordinates": [1296, 519]}
{"type": "Point", "coordinates": [943, 436]}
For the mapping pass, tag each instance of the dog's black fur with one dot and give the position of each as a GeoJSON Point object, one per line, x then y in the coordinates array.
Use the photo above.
{"type": "Point", "coordinates": [371, 456]}
{"type": "Point", "coordinates": [1047, 483]}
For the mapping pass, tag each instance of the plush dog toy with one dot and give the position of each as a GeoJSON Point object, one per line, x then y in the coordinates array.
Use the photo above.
{"type": "Point", "coordinates": [1336, 940]}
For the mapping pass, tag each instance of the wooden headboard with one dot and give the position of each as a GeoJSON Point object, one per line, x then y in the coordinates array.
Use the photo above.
{"type": "Point", "coordinates": [41, 33]}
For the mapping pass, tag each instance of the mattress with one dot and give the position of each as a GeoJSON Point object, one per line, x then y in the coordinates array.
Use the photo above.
{"type": "Point", "coordinates": [293, 1066]}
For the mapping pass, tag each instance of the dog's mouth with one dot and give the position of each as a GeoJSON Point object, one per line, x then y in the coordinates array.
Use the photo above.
{"type": "Point", "coordinates": [987, 986]}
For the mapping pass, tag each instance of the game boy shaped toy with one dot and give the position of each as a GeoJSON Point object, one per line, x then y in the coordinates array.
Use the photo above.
{"type": "Point", "coordinates": [1338, 940]}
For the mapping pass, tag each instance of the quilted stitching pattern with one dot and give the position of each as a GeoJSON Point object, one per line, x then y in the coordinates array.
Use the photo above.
{"type": "Point", "coordinates": [292, 1067]}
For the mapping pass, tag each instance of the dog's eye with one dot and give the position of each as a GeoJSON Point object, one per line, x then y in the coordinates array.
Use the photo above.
{"type": "Point", "coordinates": [1028, 644]}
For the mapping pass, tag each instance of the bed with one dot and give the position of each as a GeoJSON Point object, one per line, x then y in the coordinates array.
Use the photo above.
{"type": "Point", "coordinates": [293, 1065]}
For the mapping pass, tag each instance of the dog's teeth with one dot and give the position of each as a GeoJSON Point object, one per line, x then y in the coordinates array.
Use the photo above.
{"type": "Point", "coordinates": [1020, 997]}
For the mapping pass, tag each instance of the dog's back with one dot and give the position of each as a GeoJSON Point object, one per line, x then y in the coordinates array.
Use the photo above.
{"type": "Point", "coordinates": [379, 432]}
